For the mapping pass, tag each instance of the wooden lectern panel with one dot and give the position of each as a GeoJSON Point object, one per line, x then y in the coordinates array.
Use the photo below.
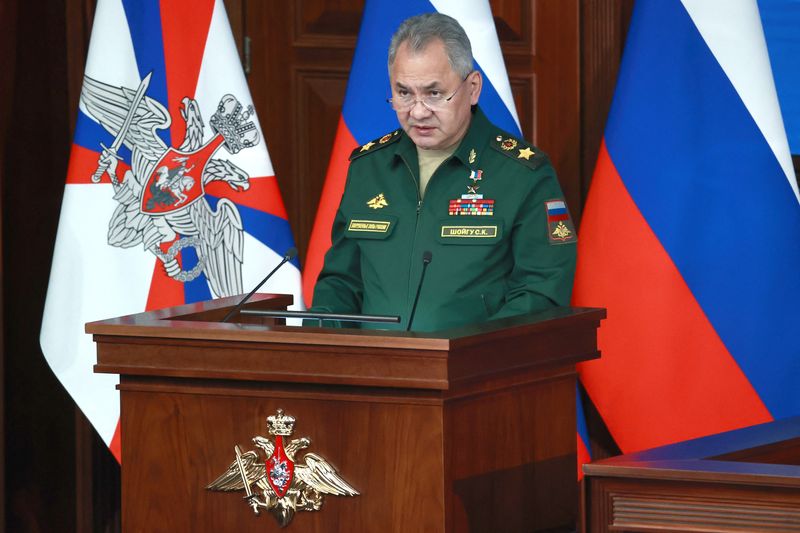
{"type": "Point", "coordinates": [466, 430]}
{"type": "Point", "coordinates": [746, 480]}
{"type": "Point", "coordinates": [189, 431]}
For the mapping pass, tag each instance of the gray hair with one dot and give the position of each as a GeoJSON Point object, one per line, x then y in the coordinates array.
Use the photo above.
{"type": "Point", "coordinates": [419, 31]}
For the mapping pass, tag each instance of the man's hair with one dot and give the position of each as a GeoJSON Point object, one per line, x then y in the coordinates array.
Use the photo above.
{"type": "Point", "coordinates": [419, 31]}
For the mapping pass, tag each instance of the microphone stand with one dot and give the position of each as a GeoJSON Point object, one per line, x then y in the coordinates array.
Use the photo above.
{"type": "Point", "coordinates": [290, 254]}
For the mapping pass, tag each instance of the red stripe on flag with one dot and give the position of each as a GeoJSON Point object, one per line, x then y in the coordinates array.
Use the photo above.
{"type": "Point", "coordinates": [332, 192]}
{"type": "Point", "coordinates": [263, 194]}
{"type": "Point", "coordinates": [665, 375]}
{"type": "Point", "coordinates": [164, 291]}
{"type": "Point", "coordinates": [116, 444]}
{"type": "Point", "coordinates": [554, 218]}
{"type": "Point", "coordinates": [184, 45]}
{"type": "Point", "coordinates": [83, 164]}
{"type": "Point", "coordinates": [583, 455]}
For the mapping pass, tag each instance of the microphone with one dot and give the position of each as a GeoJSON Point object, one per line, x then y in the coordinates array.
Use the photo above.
{"type": "Point", "coordinates": [288, 256]}
{"type": "Point", "coordinates": [427, 257]}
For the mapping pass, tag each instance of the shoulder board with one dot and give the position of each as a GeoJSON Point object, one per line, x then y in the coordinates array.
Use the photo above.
{"type": "Point", "coordinates": [376, 144]}
{"type": "Point", "coordinates": [520, 151]}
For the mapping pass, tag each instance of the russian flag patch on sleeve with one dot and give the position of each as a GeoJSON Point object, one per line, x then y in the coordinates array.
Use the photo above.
{"type": "Point", "coordinates": [560, 229]}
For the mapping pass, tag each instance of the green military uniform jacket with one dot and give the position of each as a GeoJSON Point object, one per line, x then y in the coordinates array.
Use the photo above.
{"type": "Point", "coordinates": [489, 260]}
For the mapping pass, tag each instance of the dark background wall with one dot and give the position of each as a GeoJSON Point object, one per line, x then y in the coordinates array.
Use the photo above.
{"type": "Point", "coordinates": [562, 57]}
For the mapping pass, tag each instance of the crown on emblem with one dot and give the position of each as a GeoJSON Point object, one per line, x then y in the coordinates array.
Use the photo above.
{"type": "Point", "coordinates": [232, 121]}
{"type": "Point", "coordinates": [280, 424]}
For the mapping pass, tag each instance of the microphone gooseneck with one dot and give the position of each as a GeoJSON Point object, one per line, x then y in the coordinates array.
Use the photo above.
{"type": "Point", "coordinates": [288, 256]}
{"type": "Point", "coordinates": [427, 257]}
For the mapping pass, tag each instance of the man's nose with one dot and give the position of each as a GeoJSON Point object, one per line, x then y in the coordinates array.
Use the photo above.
{"type": "Point", "coordinates": [419, 110]}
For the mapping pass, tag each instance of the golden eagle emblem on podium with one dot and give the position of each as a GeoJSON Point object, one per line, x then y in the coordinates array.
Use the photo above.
{"type": "Point", "coordinates": [283, 485]}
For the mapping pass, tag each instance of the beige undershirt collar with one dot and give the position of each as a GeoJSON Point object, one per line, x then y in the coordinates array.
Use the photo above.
{"type": "Point", "coordinates": [429, 161]}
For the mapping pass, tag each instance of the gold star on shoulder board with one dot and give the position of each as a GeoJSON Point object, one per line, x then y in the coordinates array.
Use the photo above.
{"type": "Point", "coordinates": [367, 146]}
{"type": "Point", "coordinates": [525, 153]}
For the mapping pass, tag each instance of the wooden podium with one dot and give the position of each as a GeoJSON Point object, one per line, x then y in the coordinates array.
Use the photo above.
{"type": "Point", "coordinates": [470, 429]}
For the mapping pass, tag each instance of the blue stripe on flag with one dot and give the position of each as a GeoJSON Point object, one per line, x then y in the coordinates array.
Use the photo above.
{"type": "Point", "coordinates": [365, 110]}
{"type": "Point", "coordinates": [781, 18]}
{"type": "Point", "coordinates": [681, 137]}
{"type": "Point", "coordinates": [196, 290]}
{"type": "Point", "coordinates": [580, 418]}
{"type": "Point", "coordinates": [144, 21]}
{"type": "Point", "coordinates": [89, 134]}
{"type": "Point", "coordinates": [274, 232]}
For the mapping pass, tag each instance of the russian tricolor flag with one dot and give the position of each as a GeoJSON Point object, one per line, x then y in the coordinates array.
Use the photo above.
{"type": "Point", "coordinates": [105, 262]}
{"type": "Point", "coordinates": [691, 232]}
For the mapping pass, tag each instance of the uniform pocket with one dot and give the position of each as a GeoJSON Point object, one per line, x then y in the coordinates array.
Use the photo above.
{"type": "Point", "coordinates": [486, 230]}
{"type": "Point", "coordinates": [370, 227]}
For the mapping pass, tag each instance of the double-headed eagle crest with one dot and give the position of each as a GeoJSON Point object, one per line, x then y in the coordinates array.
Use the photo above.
{"type": "Point", "coordinates": [286, 486]}
{"type": "Point", "coordinates": [161, 198]}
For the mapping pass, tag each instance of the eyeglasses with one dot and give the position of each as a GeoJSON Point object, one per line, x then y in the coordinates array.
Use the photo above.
{"type": "Point", "coordinates": [435, 101]}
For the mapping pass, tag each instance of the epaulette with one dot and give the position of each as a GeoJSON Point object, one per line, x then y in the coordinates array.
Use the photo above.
{"type": "Point", "coordinates": [376, 144]}
{"type": "Point", "coordinates": [519, 151]}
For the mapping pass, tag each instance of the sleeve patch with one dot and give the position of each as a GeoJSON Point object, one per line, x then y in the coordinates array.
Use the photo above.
{"type": "Point", "coordinates": [560, 229]}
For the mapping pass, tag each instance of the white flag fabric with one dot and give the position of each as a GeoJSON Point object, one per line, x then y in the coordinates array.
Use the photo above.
{"type": "Point", "coordinates": [170, 196]}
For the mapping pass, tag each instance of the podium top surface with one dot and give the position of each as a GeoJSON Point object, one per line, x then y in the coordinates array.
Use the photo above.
{"type": "Point", "coordinates": [201, 321]}
{"type": "Point", "coordinates": [190, 341]}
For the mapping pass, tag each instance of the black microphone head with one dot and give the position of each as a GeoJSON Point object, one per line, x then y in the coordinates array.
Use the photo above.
{"type": "Point", "coordinates": [427, 256]}
{"type": "Point", "coordinates": [290, 253]}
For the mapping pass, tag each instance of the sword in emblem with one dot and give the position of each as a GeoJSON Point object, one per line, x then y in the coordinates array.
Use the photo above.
{"type": "Point", "coordinates": [123, 130]}
{"type": "Point", "coordinates": [248, 491]}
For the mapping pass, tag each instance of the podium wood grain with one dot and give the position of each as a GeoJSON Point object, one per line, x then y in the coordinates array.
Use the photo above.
{"type": "Point", "coordinates": [466, 430]}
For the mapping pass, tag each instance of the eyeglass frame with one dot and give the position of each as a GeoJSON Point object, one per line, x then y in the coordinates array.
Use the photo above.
{"type": "Point", "coordinates": [416, 101]}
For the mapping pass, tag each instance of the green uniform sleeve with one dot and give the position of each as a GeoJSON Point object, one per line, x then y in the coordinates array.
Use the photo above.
{"type": "Point", "coordinates": [544, 268]}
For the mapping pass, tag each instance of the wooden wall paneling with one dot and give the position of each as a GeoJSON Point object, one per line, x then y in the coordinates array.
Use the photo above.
{"type": "Point", "coordinates": [320, 95]}
{"type": "Point", "coordinates": [604, 25]}
{"type": "Point", "coordinates": [8, 12]}
{"type": "Point", "coordinates": [513, 20]}
{"type": "Point", "coordinates": [79, 15]}
{"type": "Point", "coordinates": [236, 17]}
{"type": "Point", "coordinates": [557, 68]}
{"type": "Point", "coordinates": [39, 435]}
{"type": "Point", "coordinates": [540, 40]}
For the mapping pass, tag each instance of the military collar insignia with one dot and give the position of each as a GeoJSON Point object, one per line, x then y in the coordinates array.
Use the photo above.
{"type": "Point", "coordinates": [379, 202]}
{"type": "Point", "coordinates": [375, 144]}
{"type": "Point", "coordinates": [472, 156]}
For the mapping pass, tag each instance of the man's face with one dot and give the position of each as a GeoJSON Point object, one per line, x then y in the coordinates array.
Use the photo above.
{"type": "Point", "coordinates": [429, 73]}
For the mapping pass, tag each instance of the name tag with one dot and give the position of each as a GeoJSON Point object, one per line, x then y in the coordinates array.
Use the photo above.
{"type": "Point", "coordinates": [369, 226]}
{"type": "Point", "coordinates": [469, 232]}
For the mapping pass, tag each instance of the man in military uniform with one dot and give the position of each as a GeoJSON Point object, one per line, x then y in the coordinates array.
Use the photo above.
{"type": "Point", "coordinates": [485, 205]}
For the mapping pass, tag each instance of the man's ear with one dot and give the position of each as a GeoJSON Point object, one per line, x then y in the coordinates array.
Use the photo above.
{"type": "Point", "coordinates": [475, 85]}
